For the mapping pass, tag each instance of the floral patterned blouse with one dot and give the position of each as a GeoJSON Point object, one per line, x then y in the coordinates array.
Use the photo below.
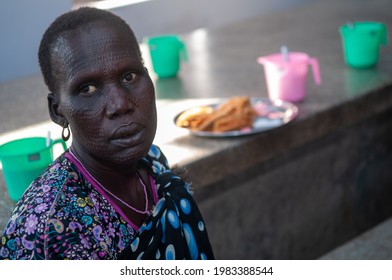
{"type": "Point", "coordinates": [64, 215]}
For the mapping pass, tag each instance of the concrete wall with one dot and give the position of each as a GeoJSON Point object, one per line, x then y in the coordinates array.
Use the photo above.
{"type": "Point", "coordinates": [180, 16]}
{"type": "Point", "coordinates": [306, 202]}
{"type": "Point", "coordinates": [22, 23]}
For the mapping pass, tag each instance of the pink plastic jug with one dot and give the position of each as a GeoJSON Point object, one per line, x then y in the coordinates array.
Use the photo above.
{"type": "Point", "coordinates": [286, 76]}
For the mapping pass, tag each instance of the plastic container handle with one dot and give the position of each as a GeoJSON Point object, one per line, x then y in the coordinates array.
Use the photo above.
{"type": "Point", "coordinates": [384, 35]}
{"type": "Point", "coordinates": [261, 60]}
{"type": "Point", "coordinates": [316, 70]}
{"type": "Point", "coordinates": [61, 141]}
{"type": "Point", "coordinates": [183, 50]}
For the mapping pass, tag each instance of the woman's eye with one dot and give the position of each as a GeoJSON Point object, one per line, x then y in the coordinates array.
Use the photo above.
{"type": "Point", "coordinates": [128, 78]}
{"type": "Point", "coordinates": [88, 89]}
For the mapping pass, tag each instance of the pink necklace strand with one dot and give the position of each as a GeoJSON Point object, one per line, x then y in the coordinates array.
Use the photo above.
{"type": "Point", "coordinates": [146, 211]}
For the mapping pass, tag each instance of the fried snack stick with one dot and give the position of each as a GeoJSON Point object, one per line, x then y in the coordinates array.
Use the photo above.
{"type": "Point", "coordinates": [208, 121]}
{"type": "Point", "coordinates": [193, 117]}
{"type": "Point", "coordinates": [236, 113]}
{"type": "Point", "coordinates": [232, 122]}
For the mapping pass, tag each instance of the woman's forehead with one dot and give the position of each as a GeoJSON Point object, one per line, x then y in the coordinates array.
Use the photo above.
{"type": "Point", "coordinates": [98, 35]}
{"type": "Point", "coordinates": [101, 45]}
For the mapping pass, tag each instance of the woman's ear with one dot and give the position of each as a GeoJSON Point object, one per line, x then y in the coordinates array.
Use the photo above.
{"type": "Point", "coordinates": [54, 110]}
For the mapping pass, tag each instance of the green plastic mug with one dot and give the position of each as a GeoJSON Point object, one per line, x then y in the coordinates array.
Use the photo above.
{"type": "Point", "coordinates": [166, 53]}
{"type": "Point", "coordinates": [361, 42]}
{"type": "Point", "coordinates": [23, 160]}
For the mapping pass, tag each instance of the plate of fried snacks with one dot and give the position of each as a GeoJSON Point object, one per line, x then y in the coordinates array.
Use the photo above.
{"type": "Point", "coordinates": [236, 116]}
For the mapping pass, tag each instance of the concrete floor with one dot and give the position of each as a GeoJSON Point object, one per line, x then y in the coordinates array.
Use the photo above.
{"type": "Point", "coordinates": [375, 244]}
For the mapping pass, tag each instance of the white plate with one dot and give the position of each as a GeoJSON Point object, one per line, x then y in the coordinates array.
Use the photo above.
{"type": "Point", "coordinates": [272, 114]}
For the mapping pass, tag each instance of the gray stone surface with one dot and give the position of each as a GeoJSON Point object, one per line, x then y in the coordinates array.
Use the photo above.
{"type": "Point", "coordinates": [374, 244]}
{"type": "Point", "coordinates": [22, 103]}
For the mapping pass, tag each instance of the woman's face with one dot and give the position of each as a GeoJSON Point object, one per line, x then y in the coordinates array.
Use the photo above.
{"type": "Point", "coordinates": [105, 93]}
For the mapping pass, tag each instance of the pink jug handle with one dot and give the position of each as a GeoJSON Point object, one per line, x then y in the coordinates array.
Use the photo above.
{"type": "Point", "coordinates": [316, 70]}
{"type": "Point", "coordinates": [261, 60]}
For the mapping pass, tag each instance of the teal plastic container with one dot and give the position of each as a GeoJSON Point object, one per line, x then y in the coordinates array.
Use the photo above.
{"type": "Point", "coordinates": [167, 52]}
{"type": "Point", "coordinates": [361, 43]}
{"type": "Point", "coordinates": [23, 160]}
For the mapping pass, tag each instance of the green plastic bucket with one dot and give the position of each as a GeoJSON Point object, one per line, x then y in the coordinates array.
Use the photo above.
{"type": "Point", "coordinates": [166, 52]}
{"type": "Point", "coordinates": [361, 42]}
{"type": "Point", "coordinates": [23, 160]}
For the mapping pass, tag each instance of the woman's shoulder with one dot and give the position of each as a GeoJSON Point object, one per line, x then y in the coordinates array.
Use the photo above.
{"type": "Point", "coordinates": [58, 184]}
{"type": "Point", "coordinates": [47, 185]}
{"type": "Point", "coordinates": [40, 206]}
{"type": "Point", "coordinates": [50, 181]}
{"type": "Point", "coordinates": [155, 161]}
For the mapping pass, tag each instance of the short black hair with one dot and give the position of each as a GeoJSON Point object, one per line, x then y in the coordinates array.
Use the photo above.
{"type": "Point", "coordinates": [67, 22]}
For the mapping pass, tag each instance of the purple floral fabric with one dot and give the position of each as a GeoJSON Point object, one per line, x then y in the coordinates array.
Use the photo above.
{"type": "Point", "coordinates": [62, 216]}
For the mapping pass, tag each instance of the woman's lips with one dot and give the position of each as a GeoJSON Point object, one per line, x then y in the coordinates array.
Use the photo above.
{"type": "Point", "coordinates": [127, 135]}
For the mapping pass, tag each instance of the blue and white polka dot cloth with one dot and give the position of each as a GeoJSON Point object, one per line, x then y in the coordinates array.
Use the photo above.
{"type": "Point", "coordinates": [175, 229]}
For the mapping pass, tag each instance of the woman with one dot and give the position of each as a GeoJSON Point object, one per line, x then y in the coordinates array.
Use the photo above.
{"type": "Point", "coordinates": [112, 194]}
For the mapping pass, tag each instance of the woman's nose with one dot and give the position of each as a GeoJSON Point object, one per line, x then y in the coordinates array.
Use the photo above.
{"type": "Point", "coordinates": [119, 102]}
